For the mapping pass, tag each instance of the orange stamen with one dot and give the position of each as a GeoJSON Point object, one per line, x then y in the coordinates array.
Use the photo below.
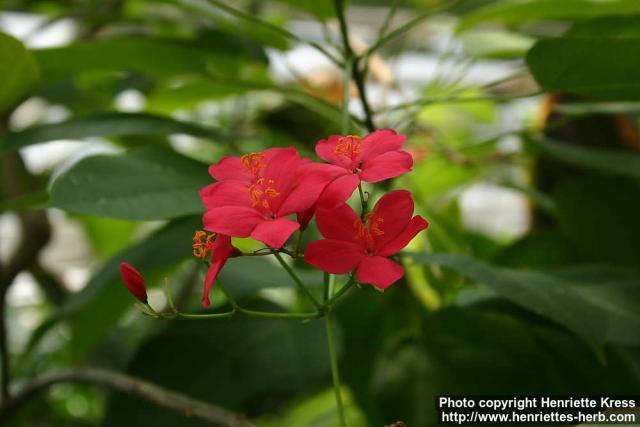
{"type": "Point", "coordinates": [202, 243]}
{"type": "Point", "coordinates": [349, 146]}
{"type": "Point", "coordinates": [253, 162]}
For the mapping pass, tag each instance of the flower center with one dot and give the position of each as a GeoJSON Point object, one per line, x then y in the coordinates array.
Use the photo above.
{"type": "Point", "coordinates": [349, 146]}
{"type": "Point", "coordinates": [369, 230]}
{"type": "Point", "coordinates": [253, 162]}
{"type": "Point", "coordinates": [261, 191]}
{"type": "Point", "coordinates": [203, 243]}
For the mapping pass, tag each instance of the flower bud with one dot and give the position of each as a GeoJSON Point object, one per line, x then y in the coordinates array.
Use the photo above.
{"type": "Point", "coordinates": [133, 281]}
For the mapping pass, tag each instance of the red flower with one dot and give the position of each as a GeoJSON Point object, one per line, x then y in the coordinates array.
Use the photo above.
{"type": "Point", "coordinates": [373, 159]}
{"type": "Point", "coordinates": [351, 244]}
{"type": "Point", "coordinates": [220, 248]}
{"type": "Point", "coordinates": [134, 282]}
{"type": "Point", "coordinates": [258, 190]}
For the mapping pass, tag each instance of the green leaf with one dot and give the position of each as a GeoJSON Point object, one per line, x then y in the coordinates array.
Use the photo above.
{"type": "Point", "coordinates": [144, 184]}
{"type": "Point", "coordinates": [106, 125]}
{"type": "Point", "coordinates": [519, 12]}
{"type": "Point", "coordinates": [496, 44]}
{"type": "Point", "coordinates": [545, 295]}
{"type": "Point", "coordinates": [607, 26]}
{"type": "Point", "coordinates": [603, 68]}
{"type": "Point", "coordinates": [149, 56]}
{"type": "Point", "coordinates": [18, 71]}
{"type": "Point", "coordinates": [243, 364]}
{"type": "Point", "coordinates": [614, 162]}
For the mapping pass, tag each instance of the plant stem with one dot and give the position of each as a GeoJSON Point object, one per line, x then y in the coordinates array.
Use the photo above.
{"type": "Point", "coordinates": [356, 72]}
{"type": "Point", "coordinates": [329, 303]}
{"type": "Point", "coordinates": [335, 374]}
{"type": "Point", "coordinates": [297, 280]}
{"type": "Point", "coordinates": [363, 202]}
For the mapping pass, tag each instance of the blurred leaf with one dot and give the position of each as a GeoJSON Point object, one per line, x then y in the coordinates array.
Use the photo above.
{"type": "Point", "coordinates": [616, 292]}
{"type": "Point", "coordinates": [153, 57]}
{"type": "Point", "coordinates": [599, 214]}
{"type": "Point", "coordinates": [18, 71]}
{"type": "Point", "coordinates": [244, 364]}
{"type": "Point", "coordinates": [607, 26]}
{"type": "Point", "coordinates": [320, 9]}
{"type": "Point", "coordinates": [541, 293]}
{"type": "Point", "coordinates": [106, 125]}
{"type": "Point", "coordinates": [496, 44]}
{"type": "Point", "coordinates": [614, 162]}
{"type": "Point", "coordinates": [107, 235]}
{"type": "Point", "coordinates": [96, 309]}
{"type": "Point", "coordinates": [570, 65]}
{"type": "Point", "coordinates": [519, 12]}
{"type": "Point", "coordinates": [146, 183]}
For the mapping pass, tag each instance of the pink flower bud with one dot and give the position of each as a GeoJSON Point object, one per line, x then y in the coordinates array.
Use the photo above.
{"type": "Point", "coordinates": [134, 282]}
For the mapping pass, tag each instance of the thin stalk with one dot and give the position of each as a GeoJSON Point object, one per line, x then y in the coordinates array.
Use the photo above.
{"type": "Point", "coordinates": [346, 96]}
{"type": "Point", "coordinates": [335, 374]}
{"type": "Point", "coordinates": [271, 315]}
{"type": "Point", "coordinates": [296, 279]}
{"type": "Point", "coordinates": [256, 20]}
{"type": "Point", "coordinates": [342, 291]}
{"type": "Point", "coordinates": [363, 202]}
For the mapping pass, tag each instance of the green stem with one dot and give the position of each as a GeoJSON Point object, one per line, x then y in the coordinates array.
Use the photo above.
{"type": "Point", "coordinates": [335, 374]}
{"type": "Point", "coordinates": [363, 202]}
{"type": "Point", "coordinates": [296, 279]}
{"type": "Point", "coordinates": [205, 316]}
{"type": "Point", "coordinates": [346, 96]}
{"type": "Point", "coordinates": [271, 315]}
{"type": "Point", "coordinates": [342, 291]}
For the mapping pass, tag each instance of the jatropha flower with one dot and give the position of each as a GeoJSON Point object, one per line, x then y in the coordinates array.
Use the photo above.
{"type": "Point", "coordinates": [374, 158]}
{"type": "Point", "coordinates": [351, 244]}
{"type": "Point", "coordinates": [220, 248]}
{"type": "Point", "coordinates": [133, 281]}
{"type": "Point", "coordinates": [257, 191]}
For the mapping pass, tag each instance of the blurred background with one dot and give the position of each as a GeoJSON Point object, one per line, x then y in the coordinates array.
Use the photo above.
{"type": "Point", "coordinates": [521, 116]}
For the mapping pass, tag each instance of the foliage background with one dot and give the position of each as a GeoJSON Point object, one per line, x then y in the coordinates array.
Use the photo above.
{"type": "Point", "coordinates": [523, 120]}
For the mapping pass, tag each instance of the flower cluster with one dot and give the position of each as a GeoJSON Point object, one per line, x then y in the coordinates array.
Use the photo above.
{"type": "Point", "coordinates": [257, 195]}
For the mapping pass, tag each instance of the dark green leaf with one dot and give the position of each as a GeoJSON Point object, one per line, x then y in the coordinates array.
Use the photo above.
{"type": "Point", "coordinates": [615, 162]}
{"type": "Point", "coordinates": [320, 9]}
{"type": "Point", "coordinates": [18, 71]}
{"type": "Point", "coordinates": [145, 184]}
{"type": "Point", "coordinates": [603, 68]}
{"type": "Point", "coordinates": [514, 13]}
{"type": "Point", "coordinates": [106, 125]}
{"type": "Point", "coordinates": [153, 57]}
{"type": "Point", "coordinates": [541, 293]}
{"type": "Point", "coordinates": [244, 364]}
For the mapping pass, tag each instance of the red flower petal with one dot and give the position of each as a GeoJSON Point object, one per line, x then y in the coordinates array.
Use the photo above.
{"type": "Point", "coordinates": [326, 150]}
{"type": "Point", "coordinates": [275, 232]}
{"type": "Point", "coordinates": [333, 256]}
{"type": "Point", "coordinates": [339, 223]}
{"type": "Point", "coordinates": [237, 221]}
{"type": "Point", "coordinates": [387, 165]}
{"type": "Point", "coordinates": [133, 281]}
{"type": "Point", "coordinates": [390, 216]}
{"type": "Point", "coordinates": [229, 169]}
{"type": "Point", "coordinates": [379, 142]}
{"type": "Point", "coordinates": [339, 190]}
{"type": "Point", "coordinates": [416, 225]}
{"type": "Point", "coordinates": [230, 193]}
{"type": "Point", "coordinates": [311, 180]}
{"type": "Point", "coordinates": [220, 253]}
{"type": "Point", "coordinates": [379, 271]}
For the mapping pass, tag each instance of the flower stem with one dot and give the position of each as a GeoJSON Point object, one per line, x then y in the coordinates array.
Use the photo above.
{"type": "Point", "coordinates": [363, 202]}
{"type": "Point", "coordinates": [297, 280]}
{"type": "Point", "coordinates": [334, 368]}
{"type": "Point", "coordinates": [342, 291]}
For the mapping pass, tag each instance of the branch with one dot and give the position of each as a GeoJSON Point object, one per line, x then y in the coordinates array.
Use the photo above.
{"type": "Point", "coordinates": [132, 386]}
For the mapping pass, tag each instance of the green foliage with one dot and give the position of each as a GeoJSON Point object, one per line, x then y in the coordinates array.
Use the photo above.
{"type": "Point", "coordinates": [145, 183]}
{"type": "Point", "coordinates": [18, 71]}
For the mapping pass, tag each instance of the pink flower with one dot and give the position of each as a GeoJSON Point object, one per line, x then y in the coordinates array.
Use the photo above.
{"type": "Point", "coordinates": [133, 281]}
{"type": "Point", "coordinates": [220, 248]}
{"type": "Point", "coordinates": [365, 247]}
{"type": "Point", "coordinates": [258, 191]}
{"type": "Point", "coordinates": [374, 158]}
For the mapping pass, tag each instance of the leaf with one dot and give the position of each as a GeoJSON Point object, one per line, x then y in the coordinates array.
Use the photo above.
{"type": "Point", "coordinates": [614, 162]}
{"type": "Point", "coordinates": [18, 71]}
{"type": "Point", "coordinates": [602, 68]}
{"type": "Point", "coordinates": [607, 26]}
{"type": "Point", "coordinates": [519, 12]}
{"type": "Point", "coordinates": [599, 215]}
{"type": "Point", "coordinates": [243, 364]}
{"type": "Point", "coordinates": [496, 44]}
{"type": "Point", "coordinates": [149, 56]}
{"type": "Point", "coordinates": [545, 295]}
{"type": "Point", "coordinates": [106, 125]}
{"type": "Point", "coordinates": [144, 184]}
